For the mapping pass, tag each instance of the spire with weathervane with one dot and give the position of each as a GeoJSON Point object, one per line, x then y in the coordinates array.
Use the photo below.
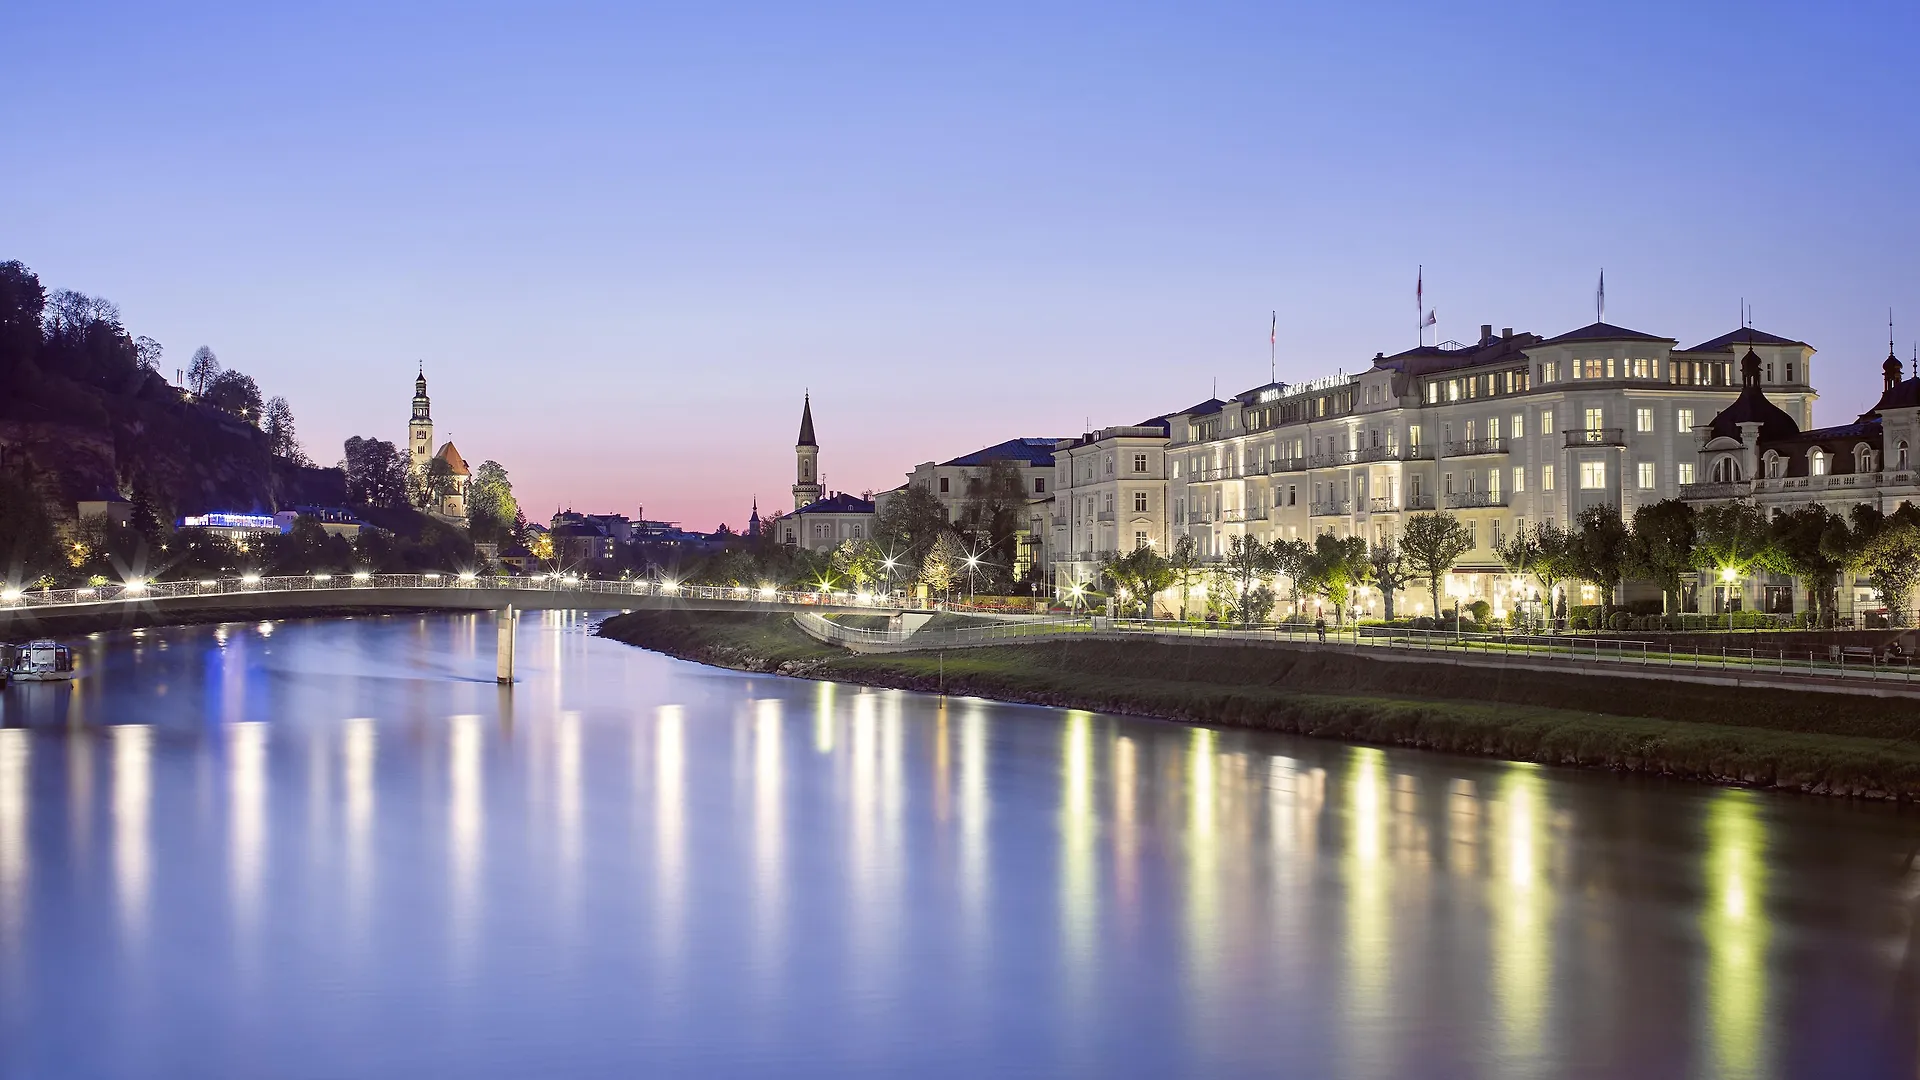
{"type": "Point", "coordinates": [420, 427]}
{"type": "Point", "coordinates": [806, 487]}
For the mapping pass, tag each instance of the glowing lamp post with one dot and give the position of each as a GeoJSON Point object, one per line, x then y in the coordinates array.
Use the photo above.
{"type": "Point", "coordinates": [1728, 575]}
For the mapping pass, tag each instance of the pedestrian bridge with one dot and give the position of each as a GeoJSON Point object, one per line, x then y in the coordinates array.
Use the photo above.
{"type": "Point", "coordinates": [250, 595]}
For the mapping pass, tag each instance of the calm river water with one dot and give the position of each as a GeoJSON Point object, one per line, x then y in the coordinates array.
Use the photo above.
{"type": "Point", "coordinates": [336, 849]}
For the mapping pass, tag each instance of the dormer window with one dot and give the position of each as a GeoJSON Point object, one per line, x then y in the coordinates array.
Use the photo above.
{"type": "Point", "coordinates": [1773, 465]}
{"type": "Point", "coordinates": [1900, 455]}
{"type": "Point", "coordinates": [1817, 462]}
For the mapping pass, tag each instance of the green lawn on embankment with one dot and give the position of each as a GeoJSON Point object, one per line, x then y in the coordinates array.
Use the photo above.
{"type": "Point", "coordinates": [1811, 741]}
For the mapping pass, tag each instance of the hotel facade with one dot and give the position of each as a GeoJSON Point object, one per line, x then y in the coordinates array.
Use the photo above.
{"type": "Point", "coordinates": [1508, 431]}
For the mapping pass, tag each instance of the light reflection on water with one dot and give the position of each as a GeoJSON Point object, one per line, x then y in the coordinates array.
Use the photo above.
{"type": "Point", "coordinates": [362, 857]}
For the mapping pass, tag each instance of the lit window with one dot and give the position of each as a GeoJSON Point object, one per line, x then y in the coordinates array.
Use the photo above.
{"type": "Point", "coordinates": [1519, 429]}
{"type": "Point", "coordinates": [1593, 475]}
{"type": "Point", "coordinates": [1596, 419]}
{"type": "Point", "coordinates": [1817, 464]}
{"type": "Point", "coordinates": [1546, 422]}
{"type": "Point", "coordinates": [1685, 472]}
{"type": "Point", "coordinates": [1643, 419]}
{"type": "Point", "coordinates": [1546, 478]}
{"type": "Point", "coordinates": [1646, 475]}
{"type": "Point", "coordinates": [1519, 479]}
{"type": "Point", "coordinates": [1683, 421]}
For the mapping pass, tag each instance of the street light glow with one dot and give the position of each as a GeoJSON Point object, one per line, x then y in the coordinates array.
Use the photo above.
{"type": "Point", "coordinates": [467, 575]}
{"type": "Point", "coordinates": [249, 579]}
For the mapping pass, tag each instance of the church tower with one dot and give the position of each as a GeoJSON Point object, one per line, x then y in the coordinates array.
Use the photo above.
{"type": "Point", "coordinates": [420, 428]}
{"type": "Point", "coordinates": [806, 488]}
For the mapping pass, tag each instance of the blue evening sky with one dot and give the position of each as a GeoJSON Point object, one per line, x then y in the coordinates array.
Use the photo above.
{"type": "Point", "coordinates": [625, 238]}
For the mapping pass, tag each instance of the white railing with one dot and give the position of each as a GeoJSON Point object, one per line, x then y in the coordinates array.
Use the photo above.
{"type": "Point", "coordinates": [346, 584]}
{"type": "Point", "coordinates": [1821, 663]}
{"type": "Point", "coordinates": [823, 629]}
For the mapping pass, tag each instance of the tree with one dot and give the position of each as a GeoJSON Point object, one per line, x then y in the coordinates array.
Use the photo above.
{"type": "Point", "coordinates": [1660, 548]}
{"type": "Point", "coordinates": [1338, 565]}
{"type": "Point", "coordinates": [1391, 571]}
{"type": "Point", "coordinates": [23, 302]}
{"type": "Point", "coordinates": [941, 566]}
{"type": "Point", "coordinates": [147, 353]}
{"type": "Point", "coordinates": [1183, 563]}
{"type": "Point", "coordinates": [491, 507]}
{"type": "Point", "coordinates": [277, 422]}
{"type": "Point", "coordinates": [1731, 536]}
{"type": "Point", "coordinates": [202, 370]}
{"type": "Point", "coordinates": [860, 561]}
{"type": "Point", "coordinates": [1434, 542]}
{"type": "Point", "coordinates": [1599, 549]}
{"type": "Point", "coordinates": [1888, 556]}
{"type": "Point", "coordinates": [1292, 558]}
{"type": "Point", "coordinates": [909, 522]}
{"type": "Point", "coordinates": [429, 487]}
{"type": "Point", "coordinates": [1245, 574]}
{"type": "Point", "coordinates": [232, 392]}
{"type": "Point", "coordinates": [994, 507]}
{"type": "Point", "coordinates": [1138, 576]}
{"type": "Point", "coordinates": [376, 473]}
{"type": "Point", "coordinates": [1815, 546]}
{"type": "Point", "coordinates": [1552, 559]}
{"type": "Point", "coordinates": [28, 548]}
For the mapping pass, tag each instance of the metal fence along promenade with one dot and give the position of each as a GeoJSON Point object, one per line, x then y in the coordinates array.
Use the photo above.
{"type": "Point", "coordinates": [16, 599]}
{"type": "Point", "coordinates": [1588, 652]}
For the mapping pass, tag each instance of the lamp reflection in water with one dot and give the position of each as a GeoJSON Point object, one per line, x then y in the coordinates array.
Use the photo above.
{"type": "Point", "coordinates": [1079, 909]}
{"type": "Point", "coordinates": [132, 823]}
{"type": "Point", "coordinates": [769, 896]}
{"type": "Point", "coordinates": [247, 818]}
{"type": "Point", "coordinates": [566, 803]}
{"type": "Point", "coordinates": [15, 769]}
{"type": "Point", "coordinates": [1736, 931]}
{"type": "Point", "coordinates": [823, 719]}
{"type": "Point", "coordinates": [1522, 905]}
{"type": "Point", "coordinates": [359, 738]}
{"type": "Point", "coordinates": [974, 809]}
{"type": "Point", "coordinates": [466, 824]}
{"type": "Point", "coordinates": [1126, 827]}
{"type": "Point", "coordinates": [670, 826]}
{"type": "Point", "coordinates": [1203, 885]}
{"type": "Point", "coordinates": [1369, 929]}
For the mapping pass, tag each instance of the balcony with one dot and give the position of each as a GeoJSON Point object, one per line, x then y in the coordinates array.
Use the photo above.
{"type": "Point", "coordinates": [1728, 490]}
{"type": "Point", "coordinates": [1288, 464]}
{"type": "Point", "coordinates": [1224, 472]}
{"type": "Point", "coordinates": [1468, 500]}
{"type": "Point", "coordinates": [1258, 513]}
{"type": "Point", "coordinates": [1332, 508]}
{"type": "Point", "coordinates": [1471, 447]}
{"type": "Point", "coordinates": [1106, 516]}
{"type": "Point", "coordinates": [1419, 502]}
{"type": "Point", "coordinates": [1383, 506]}
{"type": "Point", "coordinates": [1606, 436]}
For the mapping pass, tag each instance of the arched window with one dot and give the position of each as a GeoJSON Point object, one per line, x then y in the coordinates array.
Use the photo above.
{"type": "Point", "coordinates": [1816, 462]}
{"type": "Point", "coordinates": [1900, 455]}
{"type": "Point", "coordinates": [1772, 465]}
{"type": "Point", "coordinates": [1863, 458]}
{"type": "Point", "coordinates": [1726, 470]}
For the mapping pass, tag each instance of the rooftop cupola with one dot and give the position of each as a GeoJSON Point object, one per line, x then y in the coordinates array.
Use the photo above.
{"type": "Point", "coordinates": [1890, 370]}
{"type": "Point", "coordinates": [1750, 369]}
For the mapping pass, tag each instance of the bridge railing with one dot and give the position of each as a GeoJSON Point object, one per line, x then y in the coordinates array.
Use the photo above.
{"type": "Point", "coordinates": [137, 591]}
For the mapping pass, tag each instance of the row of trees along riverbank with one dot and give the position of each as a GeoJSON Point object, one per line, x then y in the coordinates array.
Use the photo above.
{"type": "Point", "coordinates": [1665, 543]}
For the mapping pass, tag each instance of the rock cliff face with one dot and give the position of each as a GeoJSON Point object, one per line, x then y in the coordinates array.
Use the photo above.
{"type": "Point", "coordinates": [193, 458]}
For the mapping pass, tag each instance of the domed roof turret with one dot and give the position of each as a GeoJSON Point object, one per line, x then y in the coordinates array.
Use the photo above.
{"type": "Point", "coordinates": [1752, 407]}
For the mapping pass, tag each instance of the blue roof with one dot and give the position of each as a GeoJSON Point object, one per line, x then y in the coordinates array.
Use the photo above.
{"type": "Point", "coordinates": [838, 503]}
{"type": "Point", "coordinates": [1031, 451]}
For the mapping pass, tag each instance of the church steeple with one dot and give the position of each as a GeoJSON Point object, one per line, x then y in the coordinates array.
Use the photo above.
{"type": "Point", "coordinates": [806, 451]}
{"type": "Point", "coordinates": [420, 427]}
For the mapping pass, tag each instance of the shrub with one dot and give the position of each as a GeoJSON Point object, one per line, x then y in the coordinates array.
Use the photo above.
{"type": "Point", "coordinates": [1422, 622]}
{"type": "Point", "coordinates": [1618, 620]}
{"type": "Point", "coordinates": [1481, 610]}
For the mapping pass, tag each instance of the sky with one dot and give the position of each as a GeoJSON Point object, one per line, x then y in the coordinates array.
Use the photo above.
{"type": "Point", "coordinates": [625, 239]}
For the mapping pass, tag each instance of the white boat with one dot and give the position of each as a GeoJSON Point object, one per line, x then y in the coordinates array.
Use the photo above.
{"type": "Point", "coordinates": [41, 661]}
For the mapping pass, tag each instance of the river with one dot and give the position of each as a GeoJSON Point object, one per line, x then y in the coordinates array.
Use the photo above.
{"type": "Point", "coordinates": [336, 848]}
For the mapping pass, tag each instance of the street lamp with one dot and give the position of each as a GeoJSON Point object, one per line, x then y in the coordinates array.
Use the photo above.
{"type": "Point", "coordinates": [973, 564]}
{"type": "Point", "coordinates": [1728, 576]}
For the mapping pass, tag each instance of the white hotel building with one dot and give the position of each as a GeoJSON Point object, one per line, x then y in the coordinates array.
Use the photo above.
{"type": "Point", "coordinates": [1509, 430]}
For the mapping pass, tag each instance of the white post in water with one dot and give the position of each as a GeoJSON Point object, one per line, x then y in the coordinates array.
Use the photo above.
{"type": "Point", "coordinates": [503, 651]}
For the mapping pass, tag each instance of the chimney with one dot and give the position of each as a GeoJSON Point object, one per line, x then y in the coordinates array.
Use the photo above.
{"type": "Point", "coordinates": [1486, 332]}
{"type": "Point", "coordinates": [1506, 332]}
